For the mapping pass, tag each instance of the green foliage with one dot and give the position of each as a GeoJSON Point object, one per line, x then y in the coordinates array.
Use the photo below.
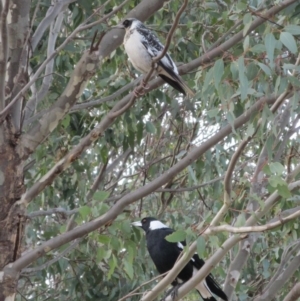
{"type": "Point", "coordinates": [160, 129]}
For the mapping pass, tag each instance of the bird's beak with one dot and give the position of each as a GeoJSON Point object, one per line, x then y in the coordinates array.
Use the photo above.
{"type": "Point", "coordinates": [120, 26]}
{"type": "Point", "coordinates": [136, 224]}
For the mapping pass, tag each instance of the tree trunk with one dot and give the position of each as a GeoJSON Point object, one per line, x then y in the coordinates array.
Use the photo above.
{"type": "Point", "coordinates": [11, 214]}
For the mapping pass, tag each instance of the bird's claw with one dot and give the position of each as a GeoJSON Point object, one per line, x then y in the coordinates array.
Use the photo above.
{"type": "Point", "coordinates": [144, 85]}
{"type": "Point", "coordinates": [138, 93]}
{"type": "Point", "coordinates": [173, 292]}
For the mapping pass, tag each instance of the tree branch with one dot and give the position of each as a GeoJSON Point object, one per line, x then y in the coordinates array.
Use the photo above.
{"type": "Point", "coordinates": [227, 228]}
{"type": "Point", "coordinates": [84, 70]}
{"type": "Point", "coordinates": [294, 294]}
{"type": "Point", "coordinates": [97, 181]}
{"type": "Point", "coordinates": [52, 13]}
{"type": "Point", "coordinates": [3, 50]}
{"type": "Point", "coordinates": [285, 257]}
{"type": "Point", "coordinates": [280, 280]}
{"type": "Point", "coordinates": [55, 259]}
{"type": "Point", "coordinates": [58, 210]}
{"type": "Point", "coordinates": [36, 98]}
{"type": "Point", "coordinates": [256, 189]}
{"type": "Point", "coordinates": [227, 182]}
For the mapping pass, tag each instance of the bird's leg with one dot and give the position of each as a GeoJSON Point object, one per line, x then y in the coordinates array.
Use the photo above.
{"type": "Point", "coordinates": [144, 85]}
{"type": "Point", "coordinates": [138, 93]}
{"type": "Point", "coordinates": [140, 90]}
{"type": "Point", "coordinates": [173, 292]}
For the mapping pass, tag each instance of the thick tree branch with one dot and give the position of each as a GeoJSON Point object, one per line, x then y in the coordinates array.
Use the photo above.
{"type": "Point", "coordinates": [17, 71]}
{"type": "Point", "coordinates": [53, 11]}
{"type": "Point", "coordinates": [285, 258]}
{"type": "Point", "coordinates": [36, 98]}
{"type": "Point", "coordinates": [84, 70]}
{"type": "Point", "coordinates": [294, 294]}
{"type": "Point", "coordinates": [280, 280]}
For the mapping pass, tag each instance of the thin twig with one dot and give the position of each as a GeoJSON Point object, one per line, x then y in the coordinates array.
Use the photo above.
{"type": "Point", "coordinates": [55, 259]}
{"type": "Point", "coordinates": [270, 226]}
{"type": "Point", "coordinates": [171, 32]}
{"type": "Point", "coordinates": [227, 182]}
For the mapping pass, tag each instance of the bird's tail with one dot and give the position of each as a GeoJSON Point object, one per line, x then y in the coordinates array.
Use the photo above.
{"type": "Point", "coordinates": [174, 80]}
{"type": "Point", "coordinates": [208, 287]}
{"type": "Point", "coordinates": [188, 90]}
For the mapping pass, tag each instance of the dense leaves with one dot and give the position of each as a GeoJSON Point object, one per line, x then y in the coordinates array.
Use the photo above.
{"type": "Point", "coordinates": [156, 133]}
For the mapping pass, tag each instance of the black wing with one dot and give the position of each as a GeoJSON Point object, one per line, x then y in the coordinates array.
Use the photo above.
{"type": "Point", "coordinates": [154, 48]}
{"type": "Point", "coordinates": [211, 283]}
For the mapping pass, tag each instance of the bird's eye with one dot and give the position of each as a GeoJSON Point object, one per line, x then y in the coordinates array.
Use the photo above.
{"type": "Point", "coordinates": [144, 220]}
{"type": "Point", "coordinates": [126, 23]}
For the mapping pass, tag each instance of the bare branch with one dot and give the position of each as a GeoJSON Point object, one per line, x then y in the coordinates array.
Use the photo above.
{"type": "Point", "coordinates": [55, 259]}
{"type": "Point", "coordinates": [85, 69]}
{"type": "Point", "coordinates": [3, 51]}
{"type": "Point", "coordinates": [285, 257]}
{"type": "Point", "coordinates": [132, 293]}
{"type": "Point", "coordinates": [227, 182]}
{"type": "Point", "coordinates": [171, 32]}
{"type": "Point", "coordinates": [31, 104]}
{"type": "Point", "coordinates": [227, 228]}
{"type": "Point", "coordinates": [97, 181]}
{"type": "Point", "coordinates": [52, 13]}
{"type": "Point", "coordinates": [280, 280]}
{"type": "Point", "coordinates": [58, 210]}
{"type": "Point", "coordinates": [294, 294]}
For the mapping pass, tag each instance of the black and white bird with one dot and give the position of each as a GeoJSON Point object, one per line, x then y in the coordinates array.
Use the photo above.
{"type": "Point", "coordinates": [165, 254]}
{"type": "Point", "coordinates": [142, 45]}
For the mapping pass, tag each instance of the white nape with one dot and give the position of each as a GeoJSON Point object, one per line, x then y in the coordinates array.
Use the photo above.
{"type": "Point", "coordinates": [154, 225]}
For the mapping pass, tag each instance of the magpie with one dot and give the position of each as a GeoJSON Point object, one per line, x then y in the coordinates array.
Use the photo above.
{"type": "Point", "coordinates": [142, 45]}
{"type": "Point", "coordinates": [165, 254]}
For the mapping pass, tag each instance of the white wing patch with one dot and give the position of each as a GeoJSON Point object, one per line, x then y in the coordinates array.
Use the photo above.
{"type": "Point", "coordinates": [180, 245]}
